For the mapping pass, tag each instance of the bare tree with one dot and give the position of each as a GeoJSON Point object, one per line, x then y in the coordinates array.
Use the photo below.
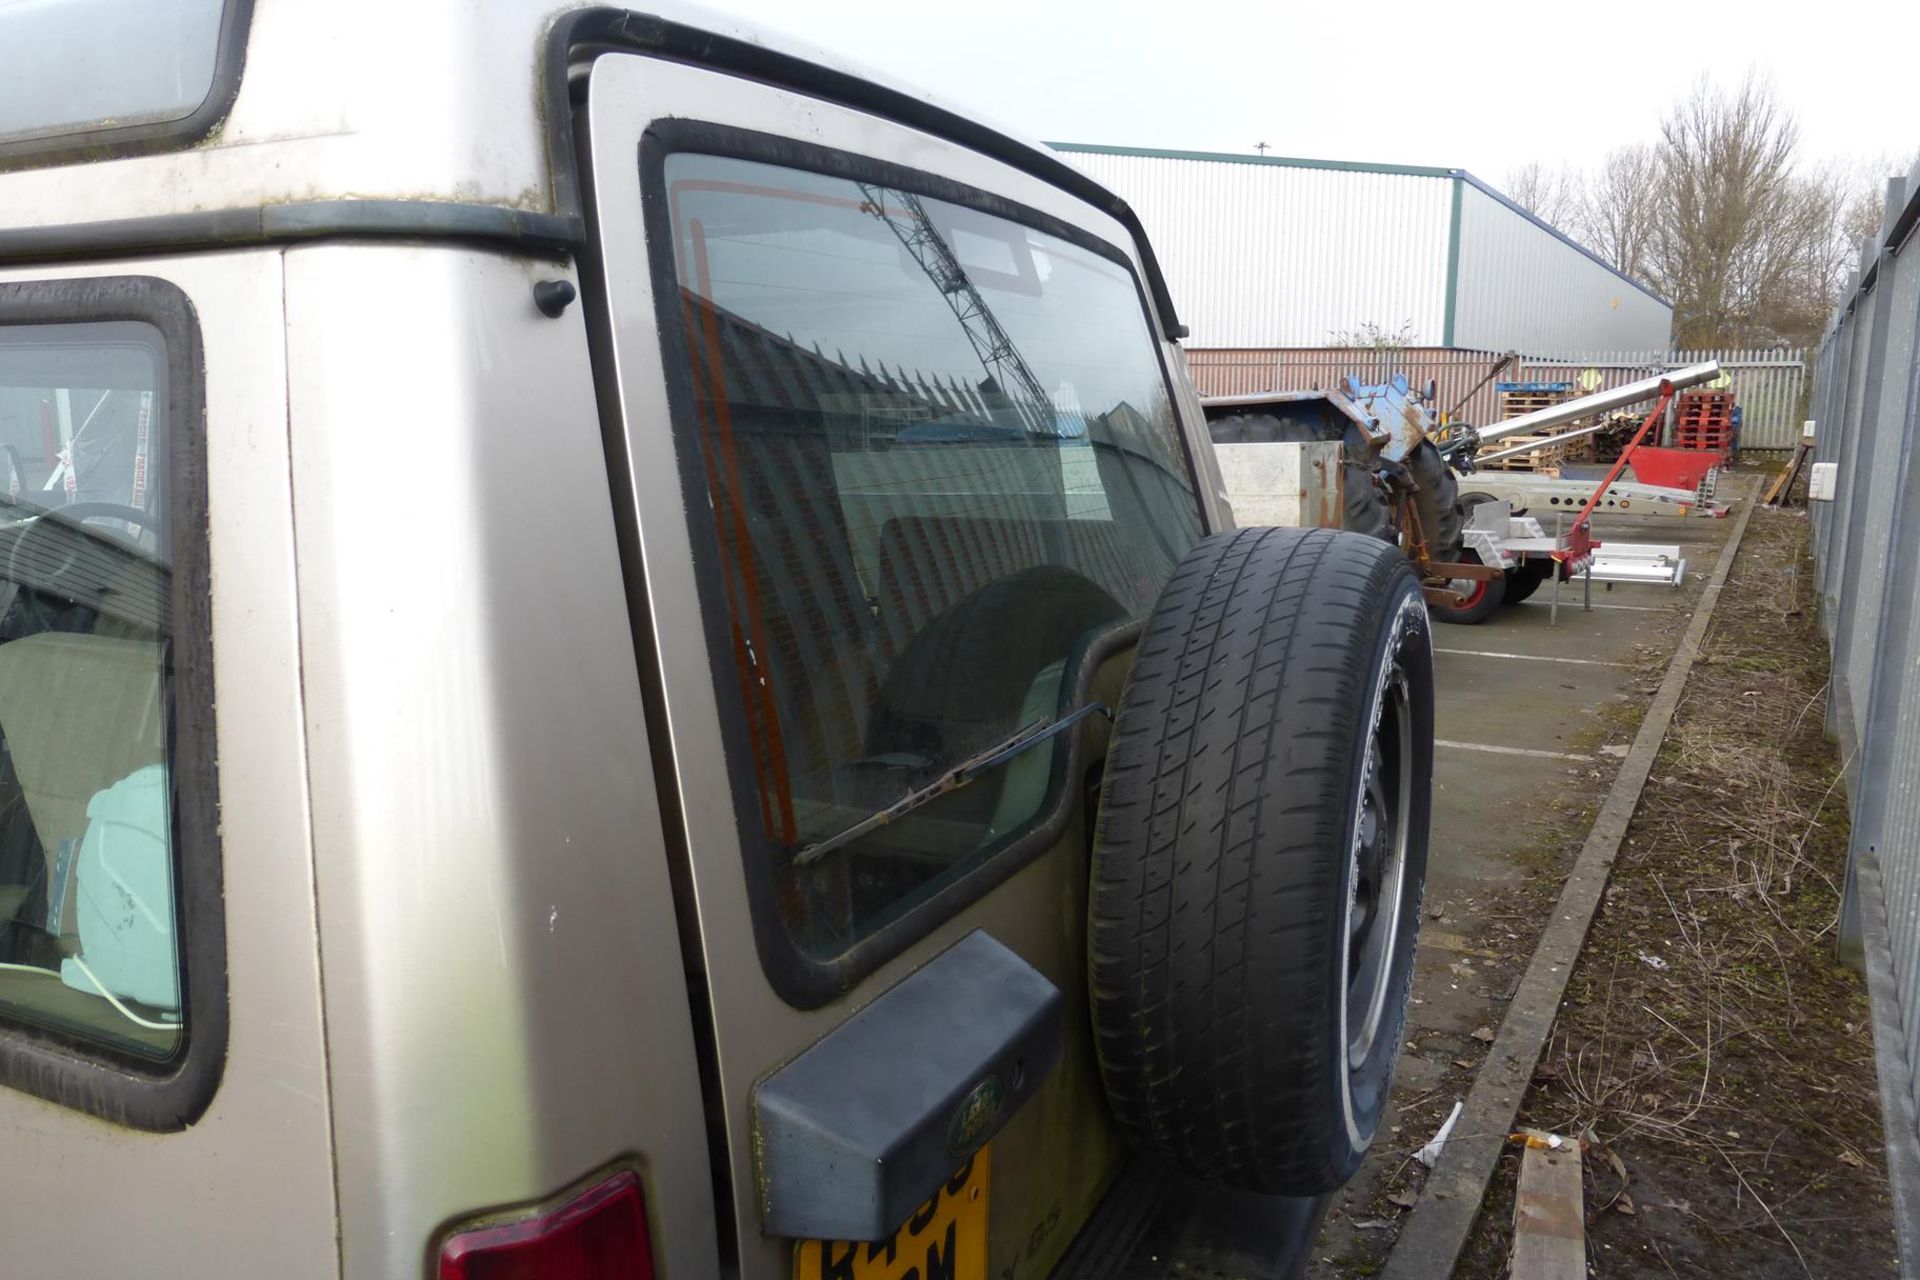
{"type": "Point", "coordinates": [1721, 215]}
{"type": "Point", "coordinates": [1621, 215]}
{"type": "Point", "coordinates": [1740, 231]}
{"type": "Point", "coordinates": [1853, 203]}
{"type": "Point", "coordinates": [1371, 336]}
{"type": "Point", "coordinates": [1555, 195]}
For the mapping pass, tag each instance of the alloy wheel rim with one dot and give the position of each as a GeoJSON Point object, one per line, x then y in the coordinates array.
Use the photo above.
{"type": "Point", "coordinates": [1378, 877]}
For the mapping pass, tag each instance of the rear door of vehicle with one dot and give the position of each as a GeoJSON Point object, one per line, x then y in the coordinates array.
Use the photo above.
{"type": "Point", "coordinates": [899, 470]}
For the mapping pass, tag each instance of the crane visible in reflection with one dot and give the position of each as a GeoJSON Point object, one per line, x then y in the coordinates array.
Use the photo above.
{"type": "Point", "coordinates": [1008, 373]}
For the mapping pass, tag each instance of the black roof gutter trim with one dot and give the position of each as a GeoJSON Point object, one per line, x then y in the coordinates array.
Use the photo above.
{"type": "Point", "coordinates": [289, 223]}
{"type": "Point", "coordinates": [590, 32]}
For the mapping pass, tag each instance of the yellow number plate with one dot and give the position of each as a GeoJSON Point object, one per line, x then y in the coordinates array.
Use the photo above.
{"type": "Point", "coordinates": [945, 1239]}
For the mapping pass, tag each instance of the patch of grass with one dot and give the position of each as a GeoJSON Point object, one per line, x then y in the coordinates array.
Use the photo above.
{"type": "Point", "coordinates": [1710, 1042]}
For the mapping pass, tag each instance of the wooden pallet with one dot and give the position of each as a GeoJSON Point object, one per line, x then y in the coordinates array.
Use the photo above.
{"type": "Point", "coordinates": [1714, 440]}
{"type": "Point", "coordinates": [1515, 403]}
{"type": "Point", "coordinates": [1580, 448]}
{"type": "Point", "coordinates": [1543, 459]}
{"type": "Point", "coordinates": [1703, 420]}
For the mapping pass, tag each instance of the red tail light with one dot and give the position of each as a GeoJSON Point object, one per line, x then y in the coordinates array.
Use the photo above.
{"type": "Point", "coordinates": [600, 1234]}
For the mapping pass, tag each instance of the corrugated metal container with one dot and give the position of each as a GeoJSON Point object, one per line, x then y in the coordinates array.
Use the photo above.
{"type": "Point", "coordinates": [1523, 286]}
{"type": "Point", "coordinates": [1266, 252]}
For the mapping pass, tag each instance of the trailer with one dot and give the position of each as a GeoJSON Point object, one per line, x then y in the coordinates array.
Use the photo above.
{"type": "Point", "coordinates": [1528, 493]}
{"type": "Point", "coordinates": [1380, 458]}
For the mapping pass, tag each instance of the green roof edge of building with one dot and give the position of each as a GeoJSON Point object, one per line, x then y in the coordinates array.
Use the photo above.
{"type": "Point", "coordinates": [1285, 162]}
{"type": "Point", "coordinates": [1461, 179]}
{"type": "Point", "coordinates": [1453, 263]}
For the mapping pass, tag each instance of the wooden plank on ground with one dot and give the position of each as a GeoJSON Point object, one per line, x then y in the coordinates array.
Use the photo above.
{"type": "Point", "coordinates": [1787, 473]}
{"type": "Point", "coordinates": [1549, 1215]}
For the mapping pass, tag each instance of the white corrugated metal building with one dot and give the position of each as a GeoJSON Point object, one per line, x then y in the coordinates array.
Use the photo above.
{"type": "Point", "coordinates": [1270, 252]}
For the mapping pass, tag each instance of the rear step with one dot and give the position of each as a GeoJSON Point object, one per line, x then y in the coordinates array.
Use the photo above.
{"type": "Point", "coordinates": [1657, 563]}
{"type": "Point", "coordinates": [1156, 1223]}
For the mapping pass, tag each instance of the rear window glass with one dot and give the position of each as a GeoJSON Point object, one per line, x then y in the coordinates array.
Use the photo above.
{"type": "Point", "coordinates": [89, 941]}
{"type": "Point", "coordinates": [72, 65]}
{"type": "Point", "coordinates": [941, 459]}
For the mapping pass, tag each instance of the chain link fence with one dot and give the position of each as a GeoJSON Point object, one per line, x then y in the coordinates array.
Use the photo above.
{"type": "Point", "coordinates": [1866, 403]}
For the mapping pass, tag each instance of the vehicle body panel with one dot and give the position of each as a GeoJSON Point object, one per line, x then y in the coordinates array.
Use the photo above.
{"type": "Point", "coordinates": [255, 1171]}
{"type": "Point", "coordinates": [432, 100]}
{"type": "Point", "coordinates": [472, 950]}
{"type": "Point", "coordinates": [506, 1010]}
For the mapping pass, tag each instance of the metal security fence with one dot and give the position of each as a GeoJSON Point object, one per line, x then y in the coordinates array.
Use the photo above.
{"type": "Point", "coordinates": [1769, 386]}
{"type": "Point", "coordinates": [1866, 403]}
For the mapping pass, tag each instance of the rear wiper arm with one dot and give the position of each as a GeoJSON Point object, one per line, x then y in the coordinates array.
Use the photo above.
{"type": "Point", "coordinates": [969, 770]}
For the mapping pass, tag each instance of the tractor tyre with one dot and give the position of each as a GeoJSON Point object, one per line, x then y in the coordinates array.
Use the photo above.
{"type": "Point", "coordinates": [1437, 499]}
{"type": "Point", "coordinates": [1365, 507]}
{"type": "Point", "coordinates": [1525, 578]}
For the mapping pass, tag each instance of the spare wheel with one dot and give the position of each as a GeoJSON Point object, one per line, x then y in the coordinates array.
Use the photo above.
{"type": "Point", "coordinates": [1259, 857]}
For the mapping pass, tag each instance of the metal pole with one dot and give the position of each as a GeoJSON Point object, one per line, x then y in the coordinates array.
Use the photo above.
{"type": "Point", "coordinates": [1562, 438]}
{"type": "Point", "coordinates": [1586, 585]}
{"type": "Point", "coordinates": [1599, 402]}
{"type": "Point", "coordinates": [1491, 374]}
{"type": "Point", "coordinates": [1553, 611]}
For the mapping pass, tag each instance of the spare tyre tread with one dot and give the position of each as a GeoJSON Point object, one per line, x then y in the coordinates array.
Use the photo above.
{"type": "Point", "coordinates": [1163, 1028]}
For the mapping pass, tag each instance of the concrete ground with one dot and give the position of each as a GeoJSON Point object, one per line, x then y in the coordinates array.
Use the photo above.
{"type": "Point", "coordinates": [1527, 712]}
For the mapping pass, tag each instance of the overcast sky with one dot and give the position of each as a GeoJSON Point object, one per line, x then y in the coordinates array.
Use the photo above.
{"type": "Point", "coordinates": [1483, 87]}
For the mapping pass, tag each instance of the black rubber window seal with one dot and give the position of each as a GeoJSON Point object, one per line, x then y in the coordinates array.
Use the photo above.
{"type": "Point", "coordinates": [803, 980]}
{"type": "Point", "coordinates": [74, 1070]}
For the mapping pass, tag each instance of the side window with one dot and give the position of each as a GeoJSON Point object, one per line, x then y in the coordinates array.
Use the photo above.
{"type": "Point", "coordinates": [939, 459]}
{"type": "Point", "coordinates": [94, 929]}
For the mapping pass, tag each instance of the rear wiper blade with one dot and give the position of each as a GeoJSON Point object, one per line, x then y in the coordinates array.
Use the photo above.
{"type": "Point", "coordinates": [968, 770]}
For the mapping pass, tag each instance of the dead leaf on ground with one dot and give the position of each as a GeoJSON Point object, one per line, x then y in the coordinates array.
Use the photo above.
{"type": "Point", "coordinates": [1405, 1199]}
{"type": "Point", "coordinates": [1852, 1160]}
{"type": "Point", "coordinates": [1463, 1064]}
{"type": "Point", "coordinates": [1483, 1034]}
{"type": "Point", "coordinates": [1625, 1204]}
